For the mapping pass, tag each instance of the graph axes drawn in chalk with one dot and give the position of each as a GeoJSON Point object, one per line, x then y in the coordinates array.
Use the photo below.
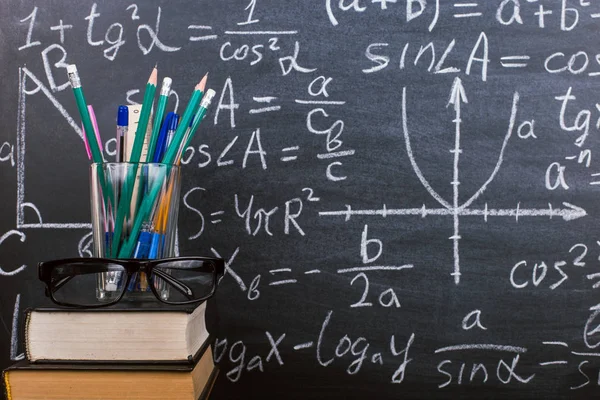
{"type": "Point", "coordinates": [568, 213]}
{"type": "Point", "coordinates": [458, 97]}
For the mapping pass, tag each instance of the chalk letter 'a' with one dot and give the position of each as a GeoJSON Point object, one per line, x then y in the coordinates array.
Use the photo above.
{"type": "Point", "coordinates": [485, 60]}
{"type": "Point", "coordinates": [526, 130]}
{"type": "Point", "coordinates": [560, 177]}
{"type": "Point", "coordinates": [231, 106]}
{"type": "Point", "coordinates": [354, 4]}
{"type": "Point", "coordinates": [472, 320]}
{"type": "Point", "coordinates": [7, 156]}
{"type": "Point", "coordinates": [260, 151]}
{"type": "Point", "coordinates": [516, 13]}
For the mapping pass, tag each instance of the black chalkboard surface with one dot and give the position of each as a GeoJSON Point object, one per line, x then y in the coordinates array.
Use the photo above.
{"type": "Point", "coordinates": [406, 192]}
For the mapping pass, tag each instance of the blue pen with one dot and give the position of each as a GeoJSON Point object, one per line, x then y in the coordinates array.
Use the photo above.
{"type": "Point", "coordinates": [162, 138]}
{"type": "Point", "coordinates": [122, 124]}
{"type": "Point", "coordinates": [172, 128]}
{"type": "Point", "coordinates": [143, 245]}
{"type": "Point", "coordinates": [141, 251]}
{"type": "Point", "coordinates": [155, 245]}
{"type": "Point", "coordinates": [107, 242]}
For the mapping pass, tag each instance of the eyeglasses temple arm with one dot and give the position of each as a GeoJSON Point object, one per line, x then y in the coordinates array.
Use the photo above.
{"type": "Point", "coordinates": [183, 288]}
{"type": "Point", "coordinates": [60, 283]}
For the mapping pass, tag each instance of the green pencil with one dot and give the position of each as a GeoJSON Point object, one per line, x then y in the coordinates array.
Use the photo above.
{"type": "Point", "coordinates": [126, 250]}
{"type": "Point", "coordinates": [136, 151]}
{"type": "Point", "coordinates": [89, 129]}
{"type": "Point", "coordinates": [140, 132]}
{"type": "Point", "coordinates": [204, 104]}
{"type": "Point", "coordinates": [165, 89]}
{"type": "Point", "coordinates": [173, 149]}
{"type": "Point", "coordinates": [83, 111]}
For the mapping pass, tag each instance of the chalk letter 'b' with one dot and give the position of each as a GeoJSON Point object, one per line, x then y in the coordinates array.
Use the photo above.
{"type": "Point", "coordinates": [364, 247]}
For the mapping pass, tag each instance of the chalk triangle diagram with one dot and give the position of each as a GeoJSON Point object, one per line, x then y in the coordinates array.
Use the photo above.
{"type": "Point", "coordinates": [26, 77]}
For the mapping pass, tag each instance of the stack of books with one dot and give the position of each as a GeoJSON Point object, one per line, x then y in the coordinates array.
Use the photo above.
{"type": "Point", "coordinates": [145, 352]}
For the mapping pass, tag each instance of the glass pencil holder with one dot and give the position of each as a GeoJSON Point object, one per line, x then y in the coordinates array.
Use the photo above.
{"type": "Point", "coordinates": [134, 210]}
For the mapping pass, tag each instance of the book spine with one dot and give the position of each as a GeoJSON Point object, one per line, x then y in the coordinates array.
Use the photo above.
{"type": "Point", "coordinates": [27, 342]}
{"type": "Point", "coordinates": [6, 385]}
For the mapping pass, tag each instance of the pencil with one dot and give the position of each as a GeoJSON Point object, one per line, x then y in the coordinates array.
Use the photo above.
{"type": "Point", "coordinates": [89, 130]}
{"type": "Point", "coordinates": [165, 89]}
{"type": "Point", "coordinates": [84, 112]}
{"type": "Point", "coordinates": [173, 149]}
{"type": "Point", "coordinates": [140, 132]}
{"type": "Point", "coordinates": [204, 104]}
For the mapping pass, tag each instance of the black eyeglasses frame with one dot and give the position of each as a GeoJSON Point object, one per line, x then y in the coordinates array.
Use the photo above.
{"type": "Point", "coordinates": [131, 266]}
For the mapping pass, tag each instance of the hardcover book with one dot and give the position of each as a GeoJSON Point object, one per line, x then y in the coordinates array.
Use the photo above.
{"type": "Point", "coordinates": [107, 381]}
{"type": "Point", "coordinates": [116, 334]}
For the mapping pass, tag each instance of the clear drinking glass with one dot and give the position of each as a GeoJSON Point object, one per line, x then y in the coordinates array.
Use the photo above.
{"type": "Point", "coordinates": [134, 215]}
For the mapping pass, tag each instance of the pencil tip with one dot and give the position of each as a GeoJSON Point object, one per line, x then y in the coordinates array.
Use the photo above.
{"type": "Point", "coordinates": [153, 76]}
{"type": "Point", "coordinates": [202, 85]}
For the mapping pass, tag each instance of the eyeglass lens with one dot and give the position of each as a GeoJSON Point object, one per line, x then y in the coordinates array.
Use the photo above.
{"type": "Point", "coordinates": [183, 281]}
{"type": "Point", "coordinates": [88, 285]}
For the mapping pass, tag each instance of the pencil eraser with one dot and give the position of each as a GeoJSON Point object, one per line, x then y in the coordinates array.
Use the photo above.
{"type": "Point", "coordinates": [207, 98]}
{"type": "Point", "coordinates": [166, 86]}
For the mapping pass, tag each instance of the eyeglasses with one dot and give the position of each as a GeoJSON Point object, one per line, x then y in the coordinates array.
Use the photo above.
{"type": "Point", "coordinates": [98, 282]}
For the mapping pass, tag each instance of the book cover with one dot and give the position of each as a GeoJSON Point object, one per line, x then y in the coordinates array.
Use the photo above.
{"type": "Point", "coordinates": [210, 384]}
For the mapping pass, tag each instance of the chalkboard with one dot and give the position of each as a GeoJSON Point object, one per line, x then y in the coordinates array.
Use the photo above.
{"type": "Point", "coordinates": [406, 192]}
